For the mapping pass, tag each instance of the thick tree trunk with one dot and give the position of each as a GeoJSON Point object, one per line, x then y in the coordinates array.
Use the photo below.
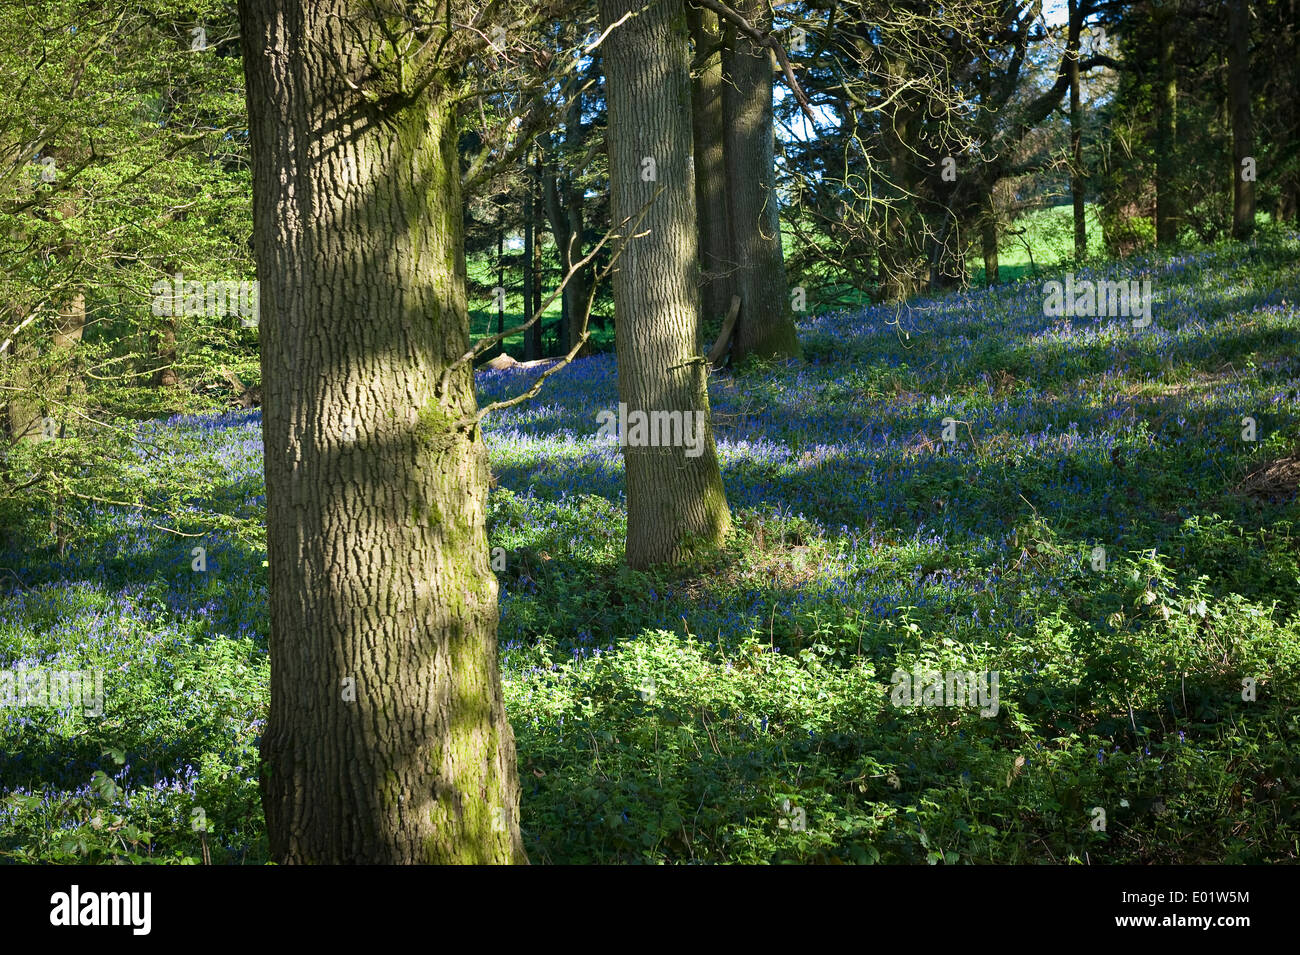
{"type": "Point", "coordinates": [900, 258]}
{"type": "Point", "coordinates": [765, 327]}
{"type": "Point", "coordinates": [714, 232]}
{"type": "Point", "coordinates": [387, 740]}
{"type": "Point", "coordinates": [1167, 135]}
{"type": "Point", "coordinates": [673, 500]}
{"type": "Point", "coordinates": [1077, 180]}
{"type": "Point", "coordinates": [1243, 132]}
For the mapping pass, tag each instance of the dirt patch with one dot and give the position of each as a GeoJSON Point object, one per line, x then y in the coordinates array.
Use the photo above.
{"type": "Point", "coordinates": [1275, 481]}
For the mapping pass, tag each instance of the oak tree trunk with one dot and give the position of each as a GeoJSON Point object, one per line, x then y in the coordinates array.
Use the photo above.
{"type": "Point", "coordinates": [387, 739]}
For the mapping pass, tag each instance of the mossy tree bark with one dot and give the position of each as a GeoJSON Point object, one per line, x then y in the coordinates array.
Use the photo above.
{"type": "Point", "coordinates": [674, 502]}
{"type": "Point", "coordinates": [387, 740]}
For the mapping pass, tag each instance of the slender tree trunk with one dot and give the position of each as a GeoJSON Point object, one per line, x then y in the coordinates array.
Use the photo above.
{"type": "Point", "coordinates": [765, 327]}
{"type": "Point", "coordinates": [1077, 178]}
{"type": "Point", "coordinates": [501, 283]}
{"type": "Point", "coordinates": [673, 500]}
{"type": "Point", "coordinates": [714, 232]}
{"type": "Point", "coordinates": [1243, 132]}
{"type": "Point", "coordinates": [535, 331]}
{"type": "Point", "coordinates": [531, 351]}
{"type": "Point", "coordinates": [559, 221]}
{"type": "Point", "coordinates": [387, 740]}
{"type": "Point", "coordinates": [577, 292]}
{"type": "Point", "coordinates": [989, 239]}
{"type": "Point", "coordinates": [1167, 135]}
{"type": "Point", "coordinates": [564, 212]}
{"type": "Point", "coordinates": [1290, 186]}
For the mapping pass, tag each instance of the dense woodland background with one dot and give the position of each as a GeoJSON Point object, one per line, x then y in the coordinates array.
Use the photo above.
{"type": "Point", "coordinates": [825, 224]}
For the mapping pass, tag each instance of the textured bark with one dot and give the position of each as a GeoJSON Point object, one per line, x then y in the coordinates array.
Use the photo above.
{"type": "Point", "coordinates": [673, 501]}
{"type": "Point", "coordinates": [376, 494]}
{"type": "Point", "coordinates": [1076, 134]}
{"type": "Point", "coordinates": [713, 230]}
{"type": "Point", "coordinates": [765, 327]}
{"type": "Point", "coordinates": [1167, 134]}
{"type": "Point", "coordinates": [1243, 131]}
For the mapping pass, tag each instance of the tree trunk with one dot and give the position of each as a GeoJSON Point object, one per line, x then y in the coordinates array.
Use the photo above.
{"type": "Point", "coordinates": [531, 351]}
{"type": "Point", "coordinates": [989, 240]}
{"type": "Point", "coordinates": [387, 739]}
{"type": "Point", "coordinates": [165, 376]}
{"type": "Point", "coordinates": [765, 327]}
{"type": "Point", "coordinates": [714, 232]}
{"type": "Point", "coordinates": [1289, 193]}
{"type": "Point", "coordinates": [578, 291]}
{"type": "Point", "coordinates": [555, 215]}
{"type": "Point", "coordinates": [1167, 135]}
{"type": "Point", "coordinates": [1243, 133]}
{"type": "Point", "coordinates": [501, 284]}
{"type": "Point", "coordinates": [535, 330]}
{"type": "Point", "coordinates": [1077, 181]}
{"type": "Point", "coordinates": [564, 212]}
{"type": "Point", "coordinates": [673, 501]}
